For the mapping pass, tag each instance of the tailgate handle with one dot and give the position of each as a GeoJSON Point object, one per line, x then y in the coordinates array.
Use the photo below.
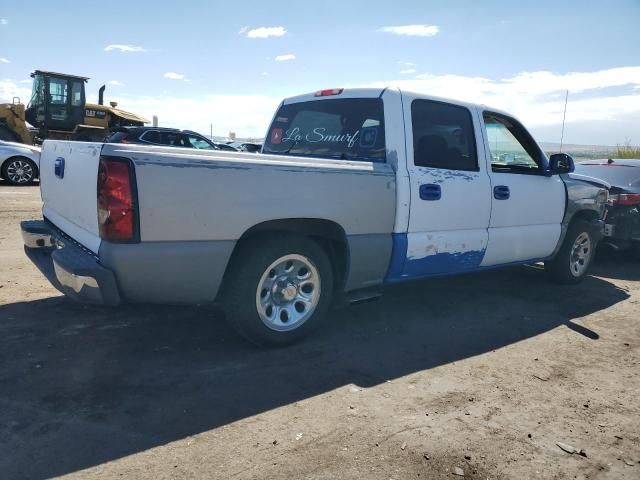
{"type": "Point", "coordinates": [58, 167]}
{"type": "Point", "coordinates": [430, 191]}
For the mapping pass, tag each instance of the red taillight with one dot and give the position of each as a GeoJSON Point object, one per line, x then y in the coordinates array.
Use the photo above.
{"type": "Point", "coordinates": [116, 213]}
{"type": "Point", "coordinates": [625, 199]}
{"type": "Point", "coordinates": [329, 92]}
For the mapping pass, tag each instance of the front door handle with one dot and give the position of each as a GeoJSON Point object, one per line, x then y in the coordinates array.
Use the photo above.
{"type": "Point", "coordinates": [501, 192]}
{"type": "Point", "coordinates": [430, 191]}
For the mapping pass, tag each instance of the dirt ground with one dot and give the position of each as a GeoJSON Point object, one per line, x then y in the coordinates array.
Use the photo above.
{"type": "Point", "coordinates": [485, 373]}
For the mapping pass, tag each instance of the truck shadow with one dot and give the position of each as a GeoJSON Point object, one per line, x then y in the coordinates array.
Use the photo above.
{"type": "Point", "coordinates": [617, 265]}
{"type": "Point", "coordinates": [82, 386]}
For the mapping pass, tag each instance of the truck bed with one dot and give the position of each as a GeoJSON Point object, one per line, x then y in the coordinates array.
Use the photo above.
{"type": "Point", "coordinates": [194, 205]}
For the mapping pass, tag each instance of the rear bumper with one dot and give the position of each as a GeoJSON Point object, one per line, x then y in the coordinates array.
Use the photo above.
{"type": "Point", "coordinates": [71, 269]}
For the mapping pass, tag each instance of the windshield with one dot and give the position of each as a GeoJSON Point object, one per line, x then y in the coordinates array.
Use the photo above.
{"type": "Point", "coordinates": [345, 129]}
{"type": "Point", "coordinates": [37, 92]}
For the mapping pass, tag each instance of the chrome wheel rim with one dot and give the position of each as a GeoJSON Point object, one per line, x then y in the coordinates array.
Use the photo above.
{"type": "Point", "coordinates": [288, 293]}
{"type": "Point", "coordinates": [580, 254]}
{"type": "Point", "coordinates": [20, 171]}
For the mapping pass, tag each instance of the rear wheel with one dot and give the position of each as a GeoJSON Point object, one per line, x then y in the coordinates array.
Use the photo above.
{"type": "Point", "coordinates": [19, 171]}
{"type": "Point", "coordinates": [278, 288]}
{"type": "Point", "coordinates": [571, 263]}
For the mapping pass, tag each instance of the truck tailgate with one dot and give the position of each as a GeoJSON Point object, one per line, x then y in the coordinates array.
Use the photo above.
{"type": "Point", "coordinates": [68, 184]}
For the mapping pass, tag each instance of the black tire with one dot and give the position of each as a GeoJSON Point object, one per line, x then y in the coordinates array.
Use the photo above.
{"type": "Point", "coordinates": [566, 267]}
{"type": "Point", "coordinates": [250, 263]}
{"type": "Point", "coordinates": [7, 134]}
{"type": "Point", "coordinates": [6, 167]}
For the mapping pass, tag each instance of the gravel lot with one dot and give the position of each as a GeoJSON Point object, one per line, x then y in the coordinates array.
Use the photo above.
{"type": "Point", "coordinates": [485, 373]}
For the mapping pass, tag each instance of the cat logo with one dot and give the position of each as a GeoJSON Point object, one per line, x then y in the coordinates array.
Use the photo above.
{"type": "Point", "coordinates": [91, 113]}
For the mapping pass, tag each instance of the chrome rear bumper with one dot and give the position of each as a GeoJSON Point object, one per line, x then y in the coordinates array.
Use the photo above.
{"type": "Point", "coordinates": [70, 268]}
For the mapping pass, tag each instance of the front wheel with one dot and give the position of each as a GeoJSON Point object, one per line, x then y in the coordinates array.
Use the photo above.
{"type": "Point", "coordinates": [572, 262]}
{"type": "Point", "coordinates": [277, 289]}
{"type": "Point", "coordinates": [19, 171]}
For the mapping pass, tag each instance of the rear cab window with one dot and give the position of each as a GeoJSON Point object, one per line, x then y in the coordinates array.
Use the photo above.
{"type": "Point", "coordinates": [342, 129]}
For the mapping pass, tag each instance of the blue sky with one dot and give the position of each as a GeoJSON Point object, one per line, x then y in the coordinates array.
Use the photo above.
{"type": "Point", "coordinates": [195, 62]}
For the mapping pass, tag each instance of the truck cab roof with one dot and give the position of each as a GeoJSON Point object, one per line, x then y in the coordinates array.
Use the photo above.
{"type": "Point", "coordinates": [372, 92]}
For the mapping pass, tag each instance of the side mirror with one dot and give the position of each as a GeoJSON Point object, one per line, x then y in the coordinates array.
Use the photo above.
{"type": "Point", "coordinates": [561, 163]}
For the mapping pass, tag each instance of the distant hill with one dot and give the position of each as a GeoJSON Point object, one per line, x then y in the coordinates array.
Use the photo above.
{"type": "Point", "coordinates": [579, 151]}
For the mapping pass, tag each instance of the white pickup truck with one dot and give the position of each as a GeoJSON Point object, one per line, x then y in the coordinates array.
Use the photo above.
{"type": "Point", "coordinates": [354, 189]}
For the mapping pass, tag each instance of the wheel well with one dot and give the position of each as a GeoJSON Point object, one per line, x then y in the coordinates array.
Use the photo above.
{"type": "Point", "coordinates": [329, 235]}
{"type": "Point", "coordinates": [588, 215]}
{"type": "Point", "coordinates": [6, 161]}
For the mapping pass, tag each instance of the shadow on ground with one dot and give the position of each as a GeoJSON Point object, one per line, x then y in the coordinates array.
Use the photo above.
{"type": "Point", "coordinates": [82, 386]}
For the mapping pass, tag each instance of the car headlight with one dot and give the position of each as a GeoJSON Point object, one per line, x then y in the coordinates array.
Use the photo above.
{"type": "Point", "coordinates": [603, 196]}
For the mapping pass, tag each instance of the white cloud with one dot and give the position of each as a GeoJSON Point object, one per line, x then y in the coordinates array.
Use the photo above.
{"type": "Point", "coordinates": [243, 30]}
{"type": "Point", "coordinates": [124, 48]}
{"type": "Point", "coordinates": [537, 98]}
{"type": "Point", "coordinates": [266, 32]}
{"type": "Point", "coordinates": [407, 71]}
{"type": "Point", "coordinates": [26, 80]}
{"type": "Point", "coordinates": [285, 58]}
{"type": "Point", "coordinates": [412, 30]}
{"type": "Point", "coordinates": [538, 103]}
{"type": "Point", "coordinates": [4, 21]}
{"type": "Point", "coordinates": [10, 89]}
{"type": "Point", "coordinates": [116, 83]}
{"type": "Point", "coordinates": [248, 115]}
{"type": "Point", "coordinates": [4, 60]}
{"type": "Point", "coordinates": [264, 74]}
{"type": "Point", "coordinates": [175, 76]}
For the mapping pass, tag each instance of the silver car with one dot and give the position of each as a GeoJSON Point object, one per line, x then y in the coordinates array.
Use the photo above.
{"type": "Point", "coordinates": [19, 163]}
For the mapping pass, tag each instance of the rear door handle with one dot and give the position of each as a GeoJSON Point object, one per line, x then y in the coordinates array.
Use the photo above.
{"type": "Point", "coordinates": [430, 191]}
{"type": "Point", "coordinates": [501, 192]}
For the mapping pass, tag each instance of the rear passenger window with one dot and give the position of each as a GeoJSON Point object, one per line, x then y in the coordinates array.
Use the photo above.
{"type": "Point", "coordinates": [151, 136]}
{"type": "Point", "coordinates": [443, 136]}
{"type": "Point", "coordinates": [173, 139]}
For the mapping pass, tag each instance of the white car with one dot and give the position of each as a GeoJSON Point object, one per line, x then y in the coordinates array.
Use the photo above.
{"type": "Point", "coordinates": [19, 163]}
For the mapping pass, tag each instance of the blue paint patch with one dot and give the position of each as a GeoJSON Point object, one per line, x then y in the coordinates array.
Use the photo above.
{"type": "Point", "coordinates": [402, 268]}
{"type": "Point", "coordinates": [398, 257]}
{"type": "Point", "coordinates": [443, 263]}
{"type": "Point", "coordinates": [440, 175]}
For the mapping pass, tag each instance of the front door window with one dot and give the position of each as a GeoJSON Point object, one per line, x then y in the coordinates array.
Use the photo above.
{"type": "Point", "coordinates": [512, 148]}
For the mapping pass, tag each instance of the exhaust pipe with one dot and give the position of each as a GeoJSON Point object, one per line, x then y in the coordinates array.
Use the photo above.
{"type": "Point", "coordinates": [101, 95]}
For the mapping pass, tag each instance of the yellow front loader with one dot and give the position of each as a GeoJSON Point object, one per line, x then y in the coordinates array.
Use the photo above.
{"type": "Point", "coordinates": [58, 110]}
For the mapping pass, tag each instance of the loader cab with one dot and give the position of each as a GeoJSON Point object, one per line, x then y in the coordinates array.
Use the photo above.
{"type": "Point", "coordinates": [57, 101]}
